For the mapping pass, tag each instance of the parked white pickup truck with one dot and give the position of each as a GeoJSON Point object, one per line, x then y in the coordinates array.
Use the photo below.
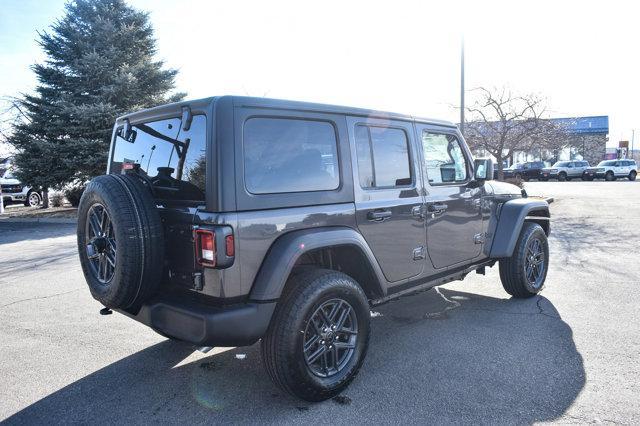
{"type": "Point", "coordinates": [14, 191]}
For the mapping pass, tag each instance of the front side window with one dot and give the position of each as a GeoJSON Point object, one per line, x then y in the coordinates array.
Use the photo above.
{"type": "Point", "coordinates": [444, 158]}
{"type": "Point", "coordinates": [289, 155]}
{"type": "Point", "coordinates": [173, 158]}
{"type": "Point", "coordinates": [383, 157]}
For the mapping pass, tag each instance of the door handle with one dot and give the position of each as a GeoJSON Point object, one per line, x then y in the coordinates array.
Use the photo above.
{"type": "Point", "coordinates": [437, 208]}
{"type": "Point", "coordinates": [379, 215]}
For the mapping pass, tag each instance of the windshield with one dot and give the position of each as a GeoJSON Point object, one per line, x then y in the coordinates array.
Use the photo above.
{"type": "Point", "coordinates": [561, 164]}
{"type": "Point", "coordinates": [6, 174]}
{"type": "Point", "coordinates": [607, 163]}
{"type": "Point", "coordinates": [516, 166]}
{"type": "Point", "coordinates": [174, 159]}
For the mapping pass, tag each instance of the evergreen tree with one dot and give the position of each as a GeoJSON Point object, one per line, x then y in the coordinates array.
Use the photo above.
{"type": "Point", "coordinates": [100, 64]}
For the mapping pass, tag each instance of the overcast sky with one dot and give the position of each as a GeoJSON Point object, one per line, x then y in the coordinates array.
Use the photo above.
{"type": "Point", "coordinates": [582, 56]}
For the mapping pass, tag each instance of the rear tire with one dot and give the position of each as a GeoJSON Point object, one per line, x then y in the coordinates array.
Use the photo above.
{"type": "Point", "coordinates": [632, 175]}
{"type": "Point", "coordinates": [305, 326]}
{"type": "Point", "coordinates": [523, 274]}
{"type": "Point", "coordinates": [33, 199]}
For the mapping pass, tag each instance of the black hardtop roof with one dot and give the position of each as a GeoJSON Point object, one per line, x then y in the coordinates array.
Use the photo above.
{"type": "Point", "coordinates": [267, 103]}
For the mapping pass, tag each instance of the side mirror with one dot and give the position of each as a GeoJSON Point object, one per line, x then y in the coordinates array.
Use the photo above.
{"type": "Point", "coordinates": [483, 169]}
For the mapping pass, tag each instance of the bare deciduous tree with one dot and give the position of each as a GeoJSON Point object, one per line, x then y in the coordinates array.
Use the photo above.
{"type": "Point", "coordinates": [502, 123]}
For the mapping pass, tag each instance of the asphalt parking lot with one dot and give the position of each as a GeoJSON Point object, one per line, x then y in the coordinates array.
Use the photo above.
{"type": "Point", "coordinates": [464, 353]}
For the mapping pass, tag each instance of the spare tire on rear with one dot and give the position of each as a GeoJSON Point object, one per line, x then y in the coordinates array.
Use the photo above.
{"type": "Point", "coordinates": [120, 241]}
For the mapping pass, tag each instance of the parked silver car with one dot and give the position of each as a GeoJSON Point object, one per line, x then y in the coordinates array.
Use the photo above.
{"type": "Point", "coordinates": [566, 170]}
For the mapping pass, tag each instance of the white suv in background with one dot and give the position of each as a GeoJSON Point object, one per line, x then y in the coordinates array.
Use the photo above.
{"type": "Point", "coordinates": [612, 169]}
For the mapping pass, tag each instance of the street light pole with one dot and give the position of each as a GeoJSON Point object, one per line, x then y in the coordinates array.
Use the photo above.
{"type": "Point", "coordinates": [462, 87]}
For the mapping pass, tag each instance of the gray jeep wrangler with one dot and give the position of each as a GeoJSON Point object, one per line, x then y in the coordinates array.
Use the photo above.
{"type": "Point", "coordinates": [228, 220]}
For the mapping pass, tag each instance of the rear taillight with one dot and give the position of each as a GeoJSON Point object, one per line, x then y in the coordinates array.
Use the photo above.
{"type": "Point", "coordinates": [205, 247]}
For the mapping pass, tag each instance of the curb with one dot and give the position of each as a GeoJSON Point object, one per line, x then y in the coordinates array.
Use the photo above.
{"type": "Point", "coordinates": [38, 220]}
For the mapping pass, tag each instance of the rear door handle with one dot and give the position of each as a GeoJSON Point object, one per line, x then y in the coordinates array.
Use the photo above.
{"type": "Point", "coordinates": [379, 215]}
{"type": "Point", "coordinates": [437, 208]}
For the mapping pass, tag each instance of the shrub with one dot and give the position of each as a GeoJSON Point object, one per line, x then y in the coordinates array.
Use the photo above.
{"type": "Point", "coordinates": [57, 199]}
{"type": "Point", "coordinates": [73, 195]}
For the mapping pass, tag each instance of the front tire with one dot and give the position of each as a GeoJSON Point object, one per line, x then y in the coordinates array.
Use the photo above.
{"type": "Point", "coordinates": [319, 335]}
{"type": "Point", "coordinates": [562, 177]}
{"type": "Point", "coordinates": [609, 176]}
{"type": "Point", "coordinates": [523, 274]}
{"type": "Point", "coordinates": [632, 175]}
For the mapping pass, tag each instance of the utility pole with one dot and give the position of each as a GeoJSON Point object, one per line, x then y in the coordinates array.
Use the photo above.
{"type": "Point", "coordinates": [633, 136]}
{"type": "Point", "coordinates": [462, 86]}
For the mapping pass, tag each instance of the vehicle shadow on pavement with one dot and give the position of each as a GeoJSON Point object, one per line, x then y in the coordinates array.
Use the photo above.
{"type": "Point", "coordinates": [12, 232]}
{"type": "Point", "coordinates": [440, 356]}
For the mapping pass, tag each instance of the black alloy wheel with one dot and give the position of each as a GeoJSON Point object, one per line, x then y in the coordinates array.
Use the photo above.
{"type": "Point", "coordinates": [330, 338]}
{"type": "Point", "coordinates": [534, 263]}
{"type": "Point", "coordinates": [100, 243]}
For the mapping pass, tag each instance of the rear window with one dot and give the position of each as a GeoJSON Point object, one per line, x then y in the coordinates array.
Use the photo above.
{"type": "Point", "coordinates": [174, 159]}
{"type": "Point", "coordinates": [289, 155]}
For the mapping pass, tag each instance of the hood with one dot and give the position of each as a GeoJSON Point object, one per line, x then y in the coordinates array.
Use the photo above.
{"type": "Point", "coordinates": [496, 187]}
{"type": "Point", "coordinates": [11, 181]}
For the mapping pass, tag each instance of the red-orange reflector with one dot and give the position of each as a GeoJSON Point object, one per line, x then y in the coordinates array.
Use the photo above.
{"type": "Point", "coordinates": [230, 248]}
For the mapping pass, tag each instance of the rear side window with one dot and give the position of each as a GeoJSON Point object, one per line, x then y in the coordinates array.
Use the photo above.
{"type": "Point", "coordinates": [173, 158]}
{"type": "Point", "coordinates": [289, 155]}
{"type": "Point", "coordinates": [383, 157]}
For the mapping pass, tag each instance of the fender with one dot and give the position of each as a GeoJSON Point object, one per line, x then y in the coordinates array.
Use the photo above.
{"type": "Point", "coordinates": [287, 249]}
{"type": "Point", "coordinates": [512, 217]}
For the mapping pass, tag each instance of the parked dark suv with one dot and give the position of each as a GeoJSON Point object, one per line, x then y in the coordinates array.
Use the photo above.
{"type": "Point", "coordinates": [229, 220]}
{"type": "Point", "coordinates": [525, 171]}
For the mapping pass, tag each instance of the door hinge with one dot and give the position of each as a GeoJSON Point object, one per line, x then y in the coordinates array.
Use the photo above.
{"type": "Point", "coordinates": [418, 253]}
{"type": "Point", "coordinates": [480, 238]}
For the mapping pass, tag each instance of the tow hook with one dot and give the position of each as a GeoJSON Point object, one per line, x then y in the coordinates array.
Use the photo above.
{"type": "Point", "coordinates": [105, 311]}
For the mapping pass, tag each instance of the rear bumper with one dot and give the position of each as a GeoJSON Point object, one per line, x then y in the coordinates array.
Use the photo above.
{"type": "Point", "coordinates": [205, 325]}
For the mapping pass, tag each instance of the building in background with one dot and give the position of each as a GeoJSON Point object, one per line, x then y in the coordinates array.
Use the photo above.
{"type": "Point", "coordinates": [585, 139]}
